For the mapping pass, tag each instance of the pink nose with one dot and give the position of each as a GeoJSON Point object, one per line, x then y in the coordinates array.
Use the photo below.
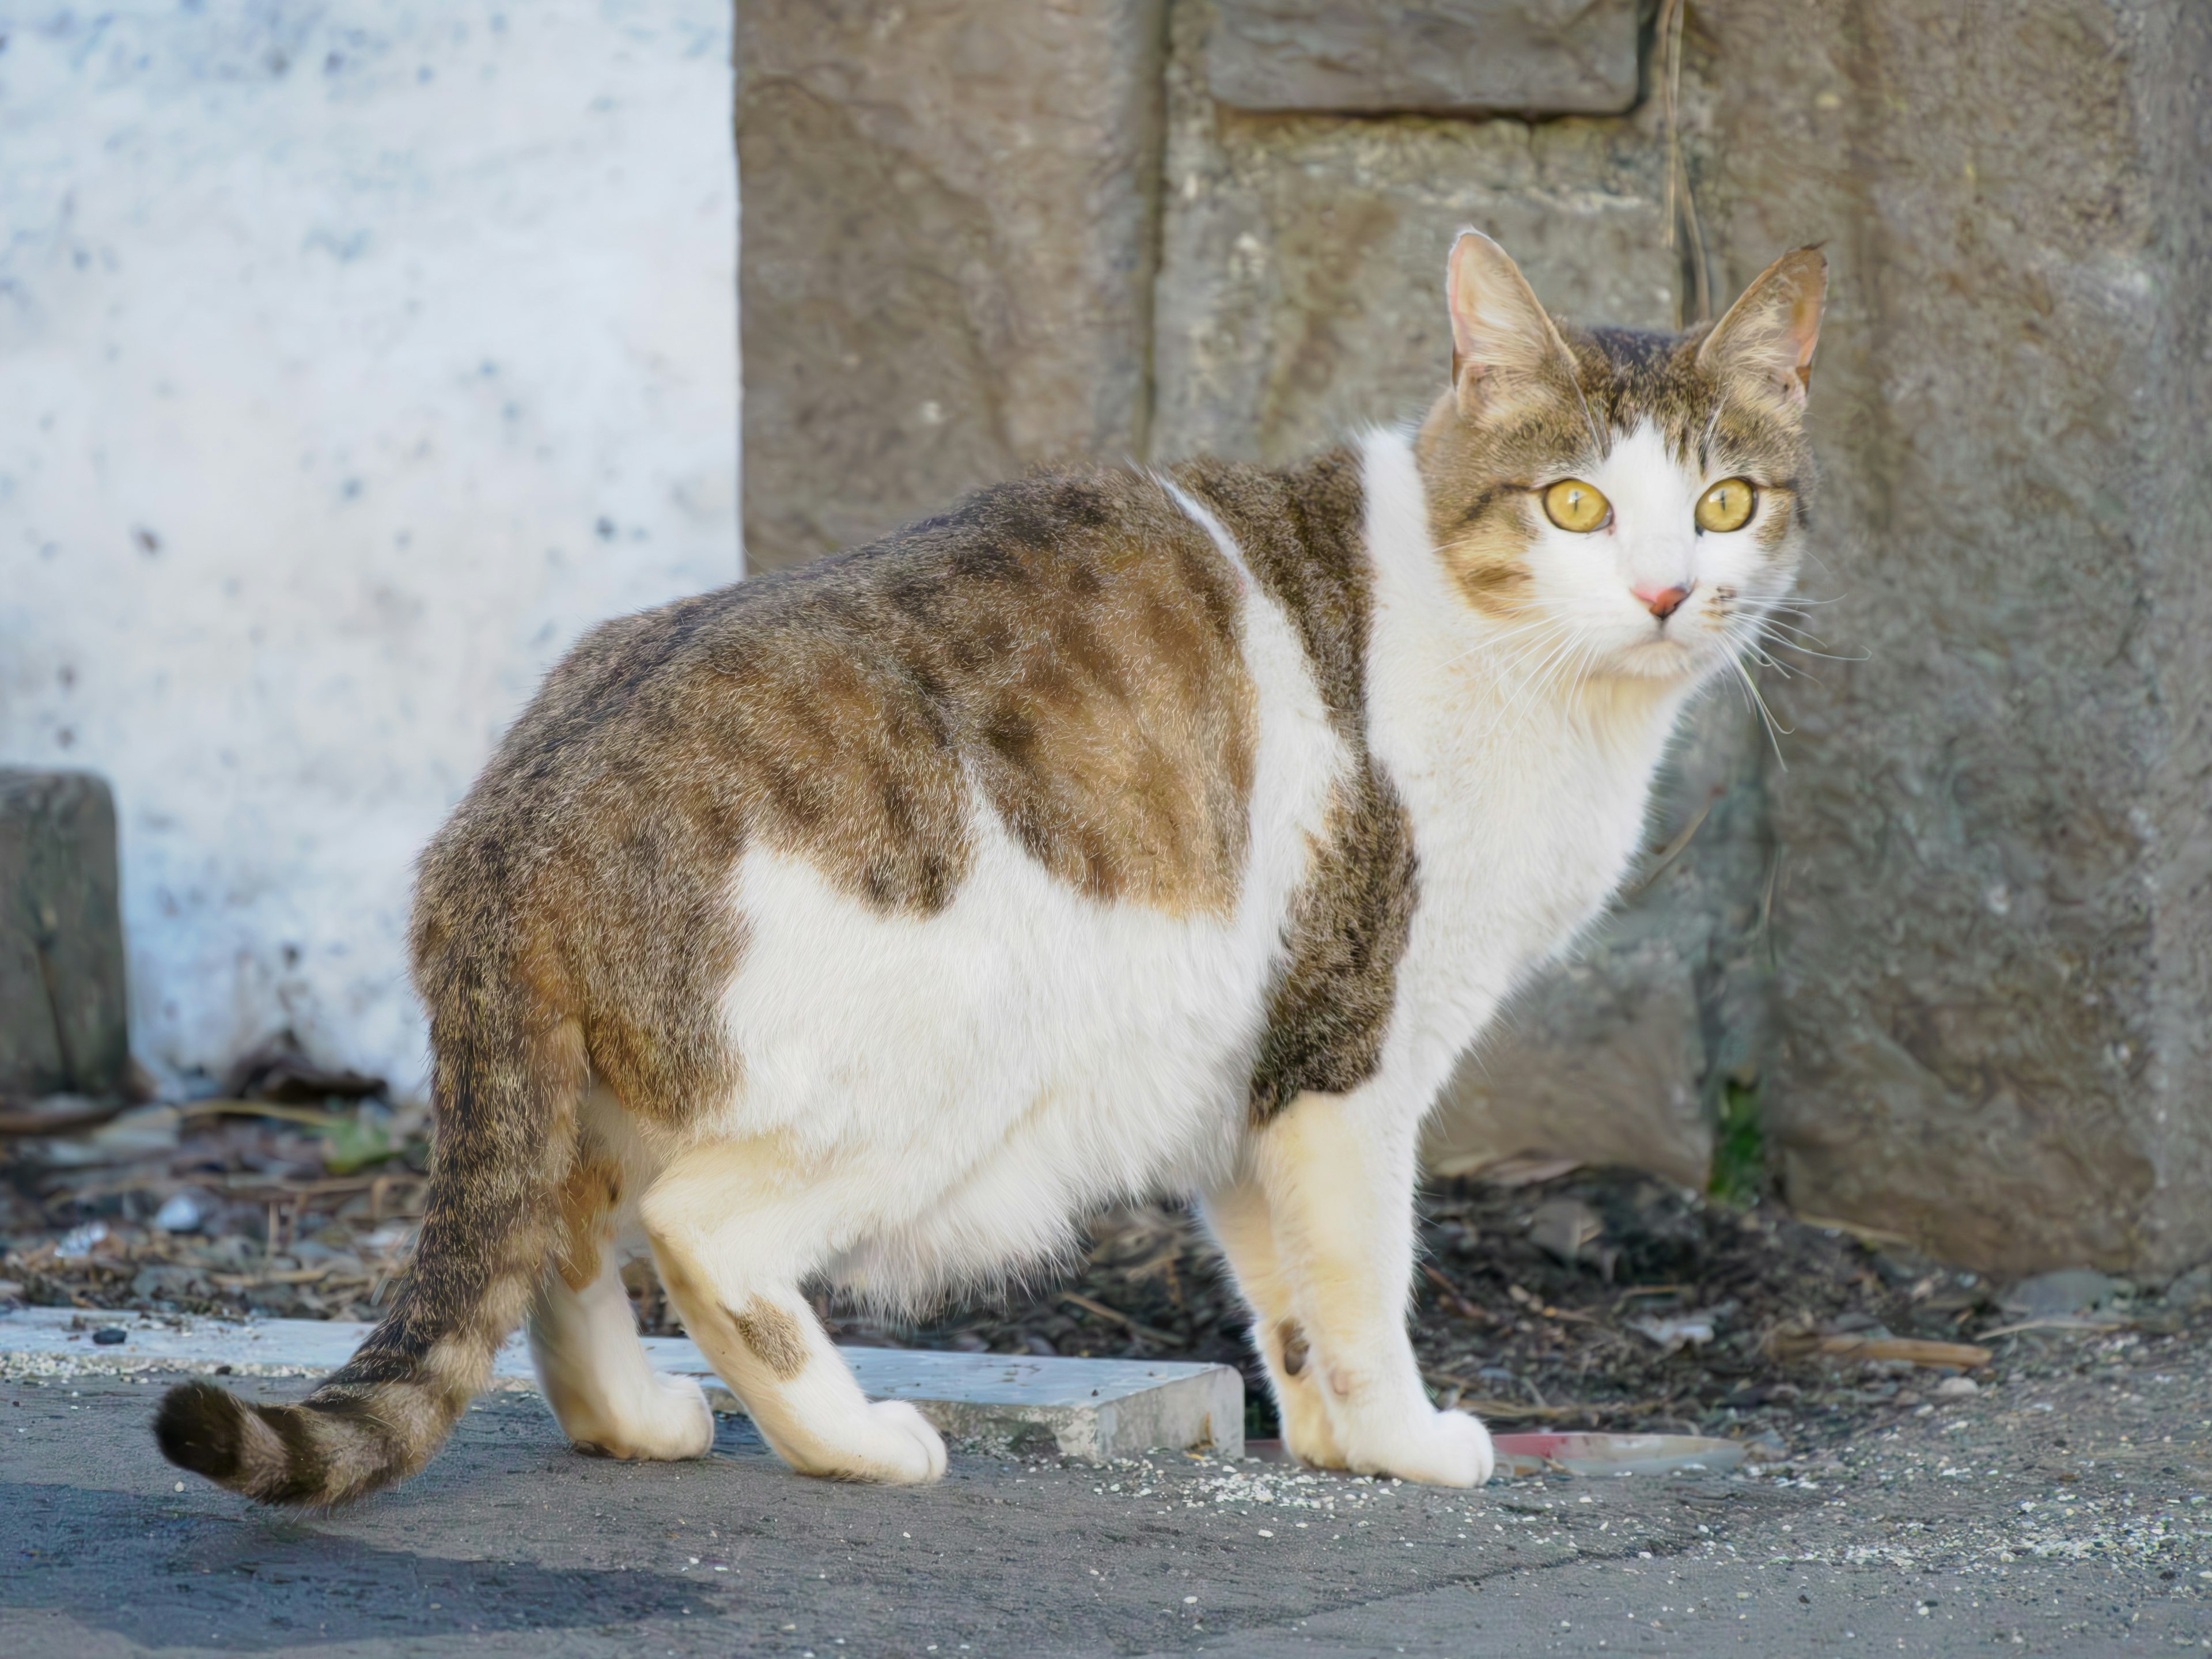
{"type": "Point", "coordinates": [1663, 602]}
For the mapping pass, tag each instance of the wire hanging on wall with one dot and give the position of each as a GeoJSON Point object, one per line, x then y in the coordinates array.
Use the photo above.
{"type": "Point", "coordinates": [1682, 206]}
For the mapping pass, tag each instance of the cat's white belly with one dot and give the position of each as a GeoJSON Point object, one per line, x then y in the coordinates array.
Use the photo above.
{"type": "Point", "coordinates": [957, 1090]}
{"type": "Point", "coordinates": [963, 1084]}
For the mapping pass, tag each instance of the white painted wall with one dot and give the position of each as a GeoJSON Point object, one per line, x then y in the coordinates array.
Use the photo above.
{"type": "Point", "coordinates": [353, 359]}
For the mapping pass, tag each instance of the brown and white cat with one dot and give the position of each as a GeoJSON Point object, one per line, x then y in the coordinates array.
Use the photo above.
{"type": "Point", "coordinates": [1117, 832]}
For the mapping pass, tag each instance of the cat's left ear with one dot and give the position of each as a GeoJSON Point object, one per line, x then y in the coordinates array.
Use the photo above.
{"type": "Point", "coordinates": [1764, 346]}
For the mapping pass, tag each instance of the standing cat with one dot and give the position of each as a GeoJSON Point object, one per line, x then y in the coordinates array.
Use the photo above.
{"type": "Point", "coordinates": [1114, 832]}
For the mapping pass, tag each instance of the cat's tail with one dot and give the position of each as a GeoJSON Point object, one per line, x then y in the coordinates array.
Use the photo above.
{"type": "Point", "coordinates": [509, 1073]}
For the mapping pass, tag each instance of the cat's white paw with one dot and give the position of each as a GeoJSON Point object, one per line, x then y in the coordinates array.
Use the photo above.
{"type": "Point", "coordinates": [1307, 1434]}
{"type": "Point", "coordinates": [672, 1424]}
{"type": "Point", "coordinates": [685, 1427]}
{"type": "Point", "coordinates": [912, 1452]}
{"type": "Point", "coordinates": [889, 1444]}
{"type": "Point", "coordinates": [1443, 1449]}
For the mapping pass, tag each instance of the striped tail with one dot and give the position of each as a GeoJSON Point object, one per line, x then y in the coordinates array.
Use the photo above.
{"type": "Point", "coordinates": [508, 1081]}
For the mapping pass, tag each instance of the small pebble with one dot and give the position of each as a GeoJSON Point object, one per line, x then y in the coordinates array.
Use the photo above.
{"type": "Point", "coordinates": [1956, 1388]}
{"type": "Point", "coordinates": [109, 1337]}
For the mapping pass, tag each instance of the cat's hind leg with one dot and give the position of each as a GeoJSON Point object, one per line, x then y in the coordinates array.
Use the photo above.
{"type": "Point", "coordinates": [593, 1370]}
{"type": "Point", "coordinates": [735, 1235]}
{"type": "Point", "coordinates": [1337, 1172]}
{"type": "Point", "coordinates": [1237, 1215]}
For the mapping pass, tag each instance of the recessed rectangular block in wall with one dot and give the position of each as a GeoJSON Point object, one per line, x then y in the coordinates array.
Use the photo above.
{"type": "Point", "coordinates": [61, 1019]}
{"type": "Point", "coordinates": [1543, 57]}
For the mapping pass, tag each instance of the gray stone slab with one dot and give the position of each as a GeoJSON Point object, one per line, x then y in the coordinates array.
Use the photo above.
{"type": "Point", "coordinates": [1092, 1409]}
{"type": "Point", "coordinates": [1448, 57]}
{"type": "Point", "coordinates": [63, 1019]}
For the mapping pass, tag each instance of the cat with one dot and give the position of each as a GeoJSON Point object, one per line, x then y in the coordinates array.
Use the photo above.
{"type": "Point", "coordinates": [1117, 832]}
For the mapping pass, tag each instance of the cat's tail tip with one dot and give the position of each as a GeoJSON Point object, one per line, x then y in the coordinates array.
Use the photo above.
{"type": "Point", "coordinates": [329, 1449]}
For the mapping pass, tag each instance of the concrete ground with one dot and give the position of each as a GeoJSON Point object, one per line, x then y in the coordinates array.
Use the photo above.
{"type": "Point", "coordinates": [2063, 1513]}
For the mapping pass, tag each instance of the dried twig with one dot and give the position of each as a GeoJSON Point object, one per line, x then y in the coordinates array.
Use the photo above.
{"type": "Point", "coordinates": [1799, 1343]}
{"type": "Point", "coordinates": [14, 1121]}
{"type": "Point", "coordinates": [1458, 1304]}
{"type": "Point", "coordinates": [1120, 1318]}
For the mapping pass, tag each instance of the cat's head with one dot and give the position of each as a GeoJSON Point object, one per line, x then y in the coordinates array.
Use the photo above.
{"type": "Point", "coordinates": [1622, 505]}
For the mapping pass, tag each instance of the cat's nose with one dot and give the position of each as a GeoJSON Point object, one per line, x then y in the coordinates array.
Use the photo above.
{"type": "Point", "coordinates": [1663, 602]}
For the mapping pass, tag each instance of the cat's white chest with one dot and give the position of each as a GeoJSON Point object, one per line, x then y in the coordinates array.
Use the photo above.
{"type": "Point", "coordinates": [1526, 814]}
{"type": "Point", "coordinates": [1518, 852]}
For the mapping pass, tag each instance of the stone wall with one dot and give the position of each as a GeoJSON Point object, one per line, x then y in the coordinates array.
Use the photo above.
{"type": "Point", "coordinates": [1992, 917]}
{"type": "Point", "coordinates": [1952, 960]}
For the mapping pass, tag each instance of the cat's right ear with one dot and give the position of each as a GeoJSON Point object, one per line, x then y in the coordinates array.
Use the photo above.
{"type": "Point", "coordinates": [1502, 341]}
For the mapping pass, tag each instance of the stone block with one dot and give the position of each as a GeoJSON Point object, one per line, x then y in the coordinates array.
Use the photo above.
{"type": "Point", "coordinates": [1533, 56]}
{"type": "Point", "coordinates": [1094, 1410]}
{"type": "Point", "coordinates": [946, 252]}
{"type": "Point", "coordinates": [62, 1014]}
{"type": "Point", "coordinates": [1994, 921]}
{"type": "Point", "coordinates": [1302, 269]}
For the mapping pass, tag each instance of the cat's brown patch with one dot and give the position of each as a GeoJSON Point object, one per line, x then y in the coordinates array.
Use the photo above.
{"type": "Point", "coordinates": [1329, 1008]}
{"type": "Point", "coordinates": [1302, 534]}
{"type": "Point", "coordinates": [1069, 642]}
{"type": "Point", "coordinates": [1290, 1343]}
{"type": "Point", "coordinates": [772, 1335]}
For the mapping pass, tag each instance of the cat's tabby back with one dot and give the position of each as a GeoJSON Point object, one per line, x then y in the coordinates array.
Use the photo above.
{"type": "Point", "coordinates": [1115, 832]}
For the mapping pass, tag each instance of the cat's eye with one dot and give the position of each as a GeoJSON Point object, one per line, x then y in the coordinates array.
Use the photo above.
{"type": "Point", "coordinates": [1573, 504]}
{"type": "Point", "coordinates": [1727, 505]}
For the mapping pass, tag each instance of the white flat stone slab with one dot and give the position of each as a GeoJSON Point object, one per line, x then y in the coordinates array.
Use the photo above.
{"type": "Point", "coordinates": [1092, 1409]}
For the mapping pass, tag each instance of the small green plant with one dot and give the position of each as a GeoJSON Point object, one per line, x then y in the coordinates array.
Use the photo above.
{"type": "Point", "coordinates": [1738, 1173]}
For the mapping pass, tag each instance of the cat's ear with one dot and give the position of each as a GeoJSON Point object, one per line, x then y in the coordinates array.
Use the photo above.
{"type": "Point", "coordinates": [1502, 341]}
{"type": "Point", "coordinates": [1764, 346]}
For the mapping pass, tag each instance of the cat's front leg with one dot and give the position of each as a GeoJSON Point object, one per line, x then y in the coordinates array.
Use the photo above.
{"type": "Point", "coordinates": [1337, 1173]}
{"type": "Point", "coordinates": [1236, 1214]}
{"type": "Point", "coordinates": [735, 1234]}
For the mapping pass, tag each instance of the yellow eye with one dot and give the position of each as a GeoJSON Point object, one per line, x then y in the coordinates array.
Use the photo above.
{"type": "Point", "coordinates": [1573, 504]}
{"type": "Point", "coordinates": [1727, 505]}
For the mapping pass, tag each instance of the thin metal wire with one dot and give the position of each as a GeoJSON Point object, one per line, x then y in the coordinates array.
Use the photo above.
{"type": "Point", "coordinates": [1681, 205]}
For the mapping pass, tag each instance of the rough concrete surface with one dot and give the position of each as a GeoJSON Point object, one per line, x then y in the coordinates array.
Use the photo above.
{"type": "Point", "coordinates": [2061, 1514]}
{"type": "Point", "coordinates": [946, 261]}
{"type": "Point", "coordinates": [1093, 1410]}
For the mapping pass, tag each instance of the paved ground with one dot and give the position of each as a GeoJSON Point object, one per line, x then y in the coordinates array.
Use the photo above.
{"type": "Point", "coordinates": [2063, 1513]}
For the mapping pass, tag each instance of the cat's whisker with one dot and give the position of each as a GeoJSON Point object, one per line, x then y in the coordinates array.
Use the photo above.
{"type": "Point", "coordinates": [1491, 641]}
{"type": "Point", "coordinates": [1808, 651]}
{"type": "Point", "coordinates": [1535, 679]}
{"type": "Point", "coordinates": [1778, 633]}
{"type": "Point", "coordinates": [1774, 730]}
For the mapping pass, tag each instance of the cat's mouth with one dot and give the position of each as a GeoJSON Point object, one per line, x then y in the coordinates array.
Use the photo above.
{"type": "Point", "coordinates": [1670, 652]}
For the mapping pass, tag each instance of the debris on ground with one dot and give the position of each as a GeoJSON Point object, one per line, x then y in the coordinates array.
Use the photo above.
{"type": "Point", "coordinates": [1557, 1297]}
